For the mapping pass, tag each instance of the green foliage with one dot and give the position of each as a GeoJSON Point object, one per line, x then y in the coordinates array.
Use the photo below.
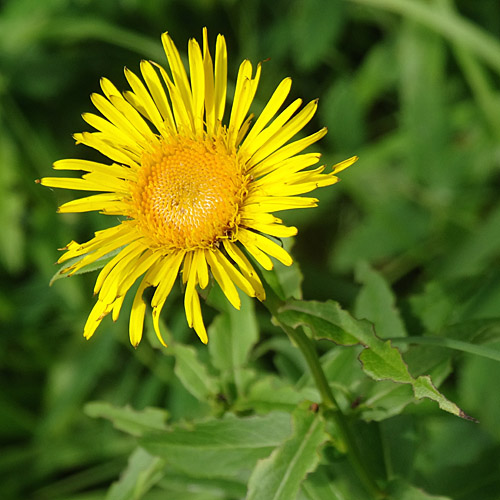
{"type": "Point", "coordinates": [279, 476]}
{"type": "Point", "coordinates": [399, 269]}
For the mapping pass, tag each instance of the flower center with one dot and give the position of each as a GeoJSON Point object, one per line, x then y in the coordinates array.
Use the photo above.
{"type": "Point", "coordinates": [188, 193]}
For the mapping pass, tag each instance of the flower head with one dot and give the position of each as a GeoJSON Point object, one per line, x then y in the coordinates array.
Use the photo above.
{"type": "Point", "coordinates": [197, 196]}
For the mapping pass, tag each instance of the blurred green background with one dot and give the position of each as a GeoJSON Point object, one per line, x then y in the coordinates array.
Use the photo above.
{"type": "Point", "coordinates": [410, 86]}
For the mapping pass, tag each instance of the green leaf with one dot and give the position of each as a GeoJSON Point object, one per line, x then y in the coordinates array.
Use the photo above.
{"type": "Point", "coordinates": [286, 281]}
{"type": "Point", "coordinates": [193, 373]}
{"type": "Point", "coordinates": [478, 251]}
{"type": "Point", "coordinates": [475, 386]}
{"type": "Point", "coordinates": [409, 225]}
{"type": "Point", "coordinates": [433, 355]}
{"type": "Point", "coordinates": [232, 336]}
{"type": "Point", "coordinates": [311, 46]}
{"type": "Point", "coordinates": [376, 303]}
{"type": "Point", "coordinates": [94, 266]}
{"type": "Point", "coordinates": [433, 306]}
{"type": "Point", "coordinates": [268, 394]}
{"type": "Point", "coordinates": [178, 486]}
{"type": "Point", "coordinates": [401, 490]}
{"type": "Point", "coordinates": [279, 476]}
{"type": "Point", "coordinates": [380, 360]}
{"type": "Point", "coordinates": [423, 92]}
{"type": "Point", "coordinates": [142, 472]}
{"type": "Point", "coordinates": [72, 380]}
{"type": "Point", "coordinates": [334, 480]}
{"type": "Point", "coordinates": [343, 115]}
{"type": "Point", "coordinates": [12, 204]}
{"type": "Point", "coordinates": [450, 26]}
{"type": "Point", "coordinates": [127, 419]}
{"type": "Point", "coordinates": [219, 448]}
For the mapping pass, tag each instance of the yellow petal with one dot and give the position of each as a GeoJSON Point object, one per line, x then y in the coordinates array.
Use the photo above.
{"type": "Point", "coordinates": [223, 279]}
{"type": "Point", "coordinates": [246, 268]}
{"type": "Point", "coordinates": [136, 323]}
{"type": "Point", "coordinates": [344, 164]}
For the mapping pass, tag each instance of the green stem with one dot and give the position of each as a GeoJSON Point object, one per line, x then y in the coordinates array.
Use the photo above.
{"type": "Point", "coordinates": [304, 343]}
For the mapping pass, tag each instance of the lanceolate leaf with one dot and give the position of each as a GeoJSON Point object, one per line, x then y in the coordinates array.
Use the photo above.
{"type": "Point", "coordinates": [376, 303]}
{"type": "Point", "coordinates": [127, 419]}
{"type": "Point", "coordinates": [279, 476]}
{"type": "Point", "coordinates": [232, 336]}
{"type": "Point", "coordinates": [142, 472]}
{"type": "Point", "coordinates": [380, 360]}
{"type": "Point", "coordinates": [98, 264]}
{"type": "Point", "coordinates": [193, 373]}
{"type": "Point", "coordinates": [219, 448]}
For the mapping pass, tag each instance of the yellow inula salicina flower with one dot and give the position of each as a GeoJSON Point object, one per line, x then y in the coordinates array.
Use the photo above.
{"type": "Point", "coordinates": [197, 196]}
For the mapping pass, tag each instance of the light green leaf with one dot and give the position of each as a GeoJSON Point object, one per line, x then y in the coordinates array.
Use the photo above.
{"type": "Point", "coordinates": [193, 373]}
{"type": "Point", "coordinates": [268, 394]}
{"type": "Point", "coordinates": [279, 476]}
{"type": "Point", "coordinates": [376, 303]}
{"type": "Point", "coordinates": [219, 448]}
{"type": "Point", "coordinates": [232, 336]}
{"type": "Point", "coordinates": [94, 266]}
{"type": "Point", "coordinates": [380, 360]}
{"type": "Point", "coordinates": [127, 419]}
{"type": "Point", "coordinates": [286, 281]}
{"type": "Point", "coordinates": [179, 486]}
{"type": "Point", "coordinates": [142, 472]}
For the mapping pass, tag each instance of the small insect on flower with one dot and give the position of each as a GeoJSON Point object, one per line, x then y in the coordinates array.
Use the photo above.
{"type": "Point", "coordinates": [197, 196]}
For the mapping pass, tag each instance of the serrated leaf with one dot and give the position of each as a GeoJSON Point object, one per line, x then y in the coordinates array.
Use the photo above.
{"type": "Point", "coordinates": [219, 448]}
{"type": "Point", "coordinates": [193, 373]}
{"type": "Point", "coordinates": [142, 472]}
{"type": "Point", "coordinates": [279, 476]}
{"type": "Point", "coordinates": [380, 360]}
{"type": "Point", "coordinates": [127, 419]}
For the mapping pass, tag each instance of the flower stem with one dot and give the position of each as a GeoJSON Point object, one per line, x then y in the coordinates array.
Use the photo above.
{"type": "Point", "coordinates": [306, 346]}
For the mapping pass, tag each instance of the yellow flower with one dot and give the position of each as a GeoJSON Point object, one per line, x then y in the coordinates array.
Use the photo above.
{"type": "Point", "coordinates": [197, 196]}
